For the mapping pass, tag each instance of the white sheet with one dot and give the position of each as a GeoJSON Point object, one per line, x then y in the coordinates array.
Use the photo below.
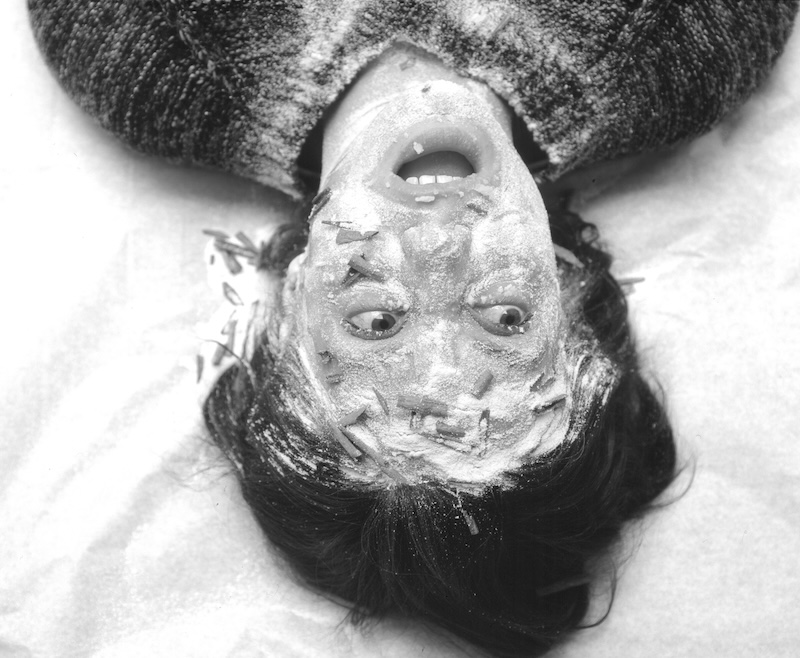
{"type": "Point", "coordinates": [122, 532]}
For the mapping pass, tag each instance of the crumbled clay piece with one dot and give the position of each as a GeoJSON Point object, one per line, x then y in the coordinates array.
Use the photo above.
{"type": "Point", "coordinates": [468, 518]}
{"type": "Point", "coordinates": [229, 328]}
{"type": "Point", "coordinates": [334, 377]}
{"type": "Point", "coordinates": [550, 404]}
{"type": "Point", "coordinates": [318, 202]}
{"type": "Point", "coordinates": [450, 430]}
{"type": "Point", "coordinates": [247, 242]}
{"type": "Point", "coordinates": [345, 236]}
{"type": "Point", "coordinates": [538, 165]}
{"type": "Point", "coordinates": [322, 197]}
{"type": "Point", "coordinates": [351, 277]}
{"type": "Point", "coordinates": [219, 354]}
{"type": "Point", "coordinates": [231, 295]}
{"type": "Point", "coordinates": [544, 380]}
{"type": "Point", "coordinates": [484, 419]}
{"type": "Point", "coordinates": [567, 256]}
{"type": "Point", "coordinates": [418, 148]}
{"type": "Point", "coordinates": [434, 408]}
{"type": "Point", "coordinates": [224, 349]}
{"type": "Point", "coordinates": [476, 201]}
{"type": "Point", "coordinates": [455, 445]}
{"type": "Point", "coordinates": [214, 233]}
{"type": "Point", "coordinates": [353, 416]}
{"type": "Point", "coordinates": [483, 383]}
{"type": "Point", "coordinates": [372, 454]}
{"type": "Point", "coordinates": [471, 525]}
{"type": "Point", "coordinates": [334, 222]}
{"type": "Point", "coordinates": [428, 198]}
{"type": "Point", "coordinates": [410, 402]}
{"type": "Point", "coordinates": [535, 384]}
{"type": "Point", "coordinates": [477, 207]}
{"type": "Point", "coordinates": [422, 405]}
{"type": "Point", "coordinates": [351, 450]}
{"type": "Point", "coordinates": [234, 249]}
{"type": "Point", "coordinates": [360, 265]}
{"type": "Point", "coordinates": [381, 400]}
{"type": "Point", "coordinates": [233, 265]}
{"type": "Point", "coordinates": [631, 280]}
{"type": "Point", "coordinates": [333, 371]}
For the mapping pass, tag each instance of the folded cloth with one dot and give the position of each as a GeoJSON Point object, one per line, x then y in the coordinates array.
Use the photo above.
{"type": "Point", "coordinates": [240, 84]}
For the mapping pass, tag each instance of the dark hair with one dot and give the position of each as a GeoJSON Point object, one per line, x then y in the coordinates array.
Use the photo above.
{"type": "Point", "coordinates": [522, 580]}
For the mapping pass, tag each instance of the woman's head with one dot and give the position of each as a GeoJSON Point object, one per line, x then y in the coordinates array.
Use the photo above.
{"type": "Point", "coordinates": [505, 566]}
{"type": "Point", "coordinates": [441, 418]}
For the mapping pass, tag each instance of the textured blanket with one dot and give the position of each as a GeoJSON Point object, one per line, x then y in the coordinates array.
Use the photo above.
{"type": "Point", "coordinates": [239, 84]}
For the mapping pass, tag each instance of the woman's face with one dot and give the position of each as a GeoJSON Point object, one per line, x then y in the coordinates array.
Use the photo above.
{"type": "Point", "coordinates": [413, 295]}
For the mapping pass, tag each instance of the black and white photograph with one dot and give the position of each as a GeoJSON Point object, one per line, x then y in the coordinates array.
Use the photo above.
{"type": "Point", "coordinates": [360, 328]}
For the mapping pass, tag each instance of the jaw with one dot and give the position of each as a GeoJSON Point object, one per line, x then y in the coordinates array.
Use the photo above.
{"type": "Point", "coordinates": [446, 130]}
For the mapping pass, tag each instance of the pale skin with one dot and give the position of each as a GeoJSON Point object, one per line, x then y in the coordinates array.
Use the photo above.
{"type": "Point", "coordinates": [451, 282]}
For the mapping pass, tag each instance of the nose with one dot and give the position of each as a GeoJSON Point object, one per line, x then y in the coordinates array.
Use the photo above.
{"type": "Point", "coordinates": [431, 248]}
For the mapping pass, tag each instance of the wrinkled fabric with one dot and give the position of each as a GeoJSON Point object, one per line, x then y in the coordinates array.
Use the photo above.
{"type": "Point", "coordinates": [239, 84]}
{"type": "Point", "coordinates": [123, 533]}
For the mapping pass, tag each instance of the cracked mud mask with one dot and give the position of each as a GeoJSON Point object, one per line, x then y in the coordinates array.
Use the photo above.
{"type": "Point", "coordinates": [426, 306]}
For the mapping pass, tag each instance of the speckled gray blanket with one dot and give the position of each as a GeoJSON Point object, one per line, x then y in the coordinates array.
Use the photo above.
{"type": "Point", "coordinates": [239, 84]}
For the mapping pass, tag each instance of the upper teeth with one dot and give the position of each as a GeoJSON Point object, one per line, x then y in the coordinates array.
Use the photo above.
{"type": "Point", "coordinates": [428, 180]}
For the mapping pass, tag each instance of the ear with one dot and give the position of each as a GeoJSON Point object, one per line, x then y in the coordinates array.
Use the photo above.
{"type": "Point", "coordinates": [282, 314]}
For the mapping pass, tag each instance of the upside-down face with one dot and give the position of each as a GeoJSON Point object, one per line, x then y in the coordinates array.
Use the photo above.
{"type": "Point", "coordinates": [428, 295]}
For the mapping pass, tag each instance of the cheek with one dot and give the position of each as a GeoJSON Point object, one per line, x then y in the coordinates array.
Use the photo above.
{"type": "Point", "coordinates": [514, 243]}
{"type": "Point", "coordinates": [314, 303]}
{"type": "Point", "coordinates": [512, 371]}
{"type": "Point", "coordinates": [367, 365]}
{"type": "Point", "coordinates": [372, 378]}
{"type": "Point", "coordinates": [522, 380]}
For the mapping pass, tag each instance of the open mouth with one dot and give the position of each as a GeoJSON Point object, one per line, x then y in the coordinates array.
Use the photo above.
{"type": "Point", "coordinates": [436, 167]}
{"type": "Point", "coordinates": [435, 152]}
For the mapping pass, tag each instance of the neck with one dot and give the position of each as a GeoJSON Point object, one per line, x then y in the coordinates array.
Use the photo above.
{"type": "Point", "coordinates": [394, 73]}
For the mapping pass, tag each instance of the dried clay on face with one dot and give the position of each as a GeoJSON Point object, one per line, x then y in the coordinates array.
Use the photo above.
{"type": "Point", "coordinates": [448, 396]}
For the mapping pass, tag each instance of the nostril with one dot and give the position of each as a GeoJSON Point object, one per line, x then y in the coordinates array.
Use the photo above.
{"type": "Point", "coordinates": [437, 164]}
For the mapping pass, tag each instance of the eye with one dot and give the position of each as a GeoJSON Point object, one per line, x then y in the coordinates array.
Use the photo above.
{"type": "Point", "coordinates": [374, 325]}
{"type": "Point", "coordinates": [509, 316]}
{"type": "Point", "coordinates": [501, 319]}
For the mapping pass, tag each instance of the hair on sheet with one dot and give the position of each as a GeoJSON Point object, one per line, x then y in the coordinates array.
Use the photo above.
{"type": "Point", "coordinates": [522, 581]}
